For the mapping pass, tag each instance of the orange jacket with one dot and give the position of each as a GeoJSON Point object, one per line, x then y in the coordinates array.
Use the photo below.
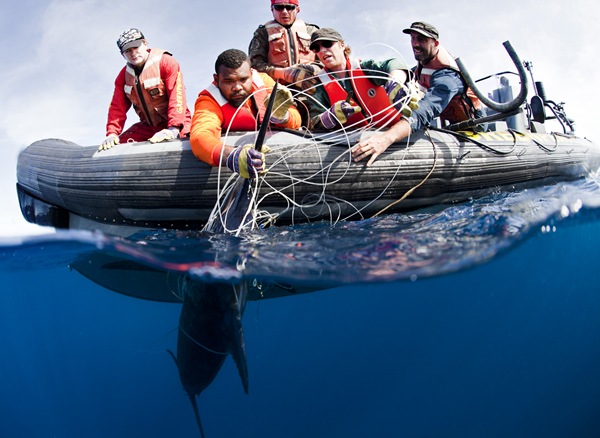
{"type": "Point", "coordinates": [213, 116]}
{"type": "Point", "coordinates": [460, 107]}
{"type": "Point", "coordinates": [157, 94]}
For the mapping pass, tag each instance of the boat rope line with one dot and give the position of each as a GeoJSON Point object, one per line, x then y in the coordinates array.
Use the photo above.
{"type": "Point", "coordinates": [482, 145]}
{"type": "Point", "coordinates": [411, 190]}
{"type": "Point", "coordinates": [538, 143]}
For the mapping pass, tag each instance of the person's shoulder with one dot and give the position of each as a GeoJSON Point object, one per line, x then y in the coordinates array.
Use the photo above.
{"type": "Point", "coordinates": [120, 79]}
{"type": "Point", "coordinates": [448, 72]}
{"type": "Point", "coordinates": [267, 80]}
{"type": "Point", "coordinates": [261, 31]}
{"type": "Point", "coordinates": [168, 59]}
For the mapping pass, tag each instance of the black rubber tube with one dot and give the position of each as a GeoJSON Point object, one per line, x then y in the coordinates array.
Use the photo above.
{"type": "Point", "coordinates": [500, 107]}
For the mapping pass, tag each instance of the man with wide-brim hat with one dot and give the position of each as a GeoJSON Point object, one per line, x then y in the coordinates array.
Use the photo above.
{"type": "Point", "coordinates": [446, 95]}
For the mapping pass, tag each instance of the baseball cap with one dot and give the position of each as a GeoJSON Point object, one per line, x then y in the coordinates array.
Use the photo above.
{"type": "Point", "coordinates": [424, 29]}
{"type": "Point", "coordinates": [130, 38]}
{"type": "Point", "coordinates": [325, 34]}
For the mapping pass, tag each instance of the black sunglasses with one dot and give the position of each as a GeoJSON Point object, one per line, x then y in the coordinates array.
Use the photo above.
{"type": "Point", "coordinates": [315, 47]}
{"type": "Point", "coordinates": [286, 7]}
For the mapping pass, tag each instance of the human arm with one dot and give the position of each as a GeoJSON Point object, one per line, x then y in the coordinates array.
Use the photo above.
{"type": "Point", "coordinates": [207, 145]}
{"type": "Point", "coordinates": [258, 50]}
{"type": "Point", "coordinates": [375, 145]}
{"type": "Point", "coordinates": [178, 115]}
{"type": "Point", "coordinates": [119, 105]}
{"type": "Point", "coordinates": [205, 133]}
{"type": "Point", "coordinates": [445, 84]}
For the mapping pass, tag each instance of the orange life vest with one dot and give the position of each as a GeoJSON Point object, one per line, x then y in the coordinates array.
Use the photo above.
{"type": "Point", "coordinates": [289, 46]}
{"type": "Point", "coordinates": [374, 101]}
{"type": "Point", "coordinates": [461, 107]}
{"type": "Point", "coordinates": [148, 92]}
{"type": "Point", "coordinates": [242, 118]}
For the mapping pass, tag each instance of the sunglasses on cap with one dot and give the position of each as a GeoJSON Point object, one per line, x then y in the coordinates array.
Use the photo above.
{"type": "Point", "coordinates": [316, 46]}
{"type": "Point", "coordinates": [282, 7]}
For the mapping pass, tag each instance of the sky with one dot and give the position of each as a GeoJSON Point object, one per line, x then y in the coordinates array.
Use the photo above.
{"type": "Point", "coordinates": [61, 56]}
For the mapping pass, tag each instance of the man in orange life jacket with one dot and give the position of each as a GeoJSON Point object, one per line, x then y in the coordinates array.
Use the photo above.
{"type": "Point", "coordinates": [282, 43]}
{"type": "Point", "coordinates": [236, 101]}
{"type": "Point", "coordinates": [151, 82]}
{"type": "Point", "coordinates": [447, 95]}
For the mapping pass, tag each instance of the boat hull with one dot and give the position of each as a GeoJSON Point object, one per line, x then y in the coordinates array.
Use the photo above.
{"type": "Point", "coordinates": [309, 178]}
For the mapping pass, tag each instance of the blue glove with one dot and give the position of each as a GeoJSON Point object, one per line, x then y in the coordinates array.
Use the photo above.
{"type": "Point", "coordinates": [338, 114]}
{"type": "Point", "coordinates": [246, 161]}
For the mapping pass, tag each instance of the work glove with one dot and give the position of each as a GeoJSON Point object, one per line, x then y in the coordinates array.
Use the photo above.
{"type": "Point", "coordinates": [404, 97]}
{"type": "Point", "coordinates": [300, 72]}
{"type": "Point", "coordinates": [164, 135]}
{"type": "Point", "coordinates": [339, 113]}
{"type": "Point", "coordinates": [281, 104]}
{"type": "Point", "coordinates": [109, 142]}
{"type": "Point", "coordinates": [246, 161]}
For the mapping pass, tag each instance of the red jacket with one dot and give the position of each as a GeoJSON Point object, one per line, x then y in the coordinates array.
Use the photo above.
{"type": "Point", "coordinates": [162, 95]}
{"type": "Point", "coordinates": [374, 101]}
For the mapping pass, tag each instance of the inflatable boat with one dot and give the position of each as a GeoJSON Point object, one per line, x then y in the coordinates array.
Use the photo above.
{"type": "Point", "coordinates": [309, 178]}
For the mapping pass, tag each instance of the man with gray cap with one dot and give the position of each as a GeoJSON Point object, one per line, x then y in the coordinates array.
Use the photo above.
{"type": "Point", "coordinates": [151, 82]}
{"type": "Point", "coordinates": [447, 95]}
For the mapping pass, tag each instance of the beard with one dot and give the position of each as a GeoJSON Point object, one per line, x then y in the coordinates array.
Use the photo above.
{"type": "Point", "coordinates": [238, 99]}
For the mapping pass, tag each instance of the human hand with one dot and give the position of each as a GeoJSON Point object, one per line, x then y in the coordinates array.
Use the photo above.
{"type": "Point", "coordinates": [373, 146]}
{"type": "Point", "coordinates": [281, 104]}
{"type": "Point", "coordinates": [109, 142]}
{"type": "Point", "coordinates": [246, 161]}
{"type": "Point", "coordinates": [164, 135]}
{"type": "Point", "coordinates": [300, 73]}
{"type": "Point", "coordinates": [339, 112]}
{"type": "Point", "coordinates": [401, 97]}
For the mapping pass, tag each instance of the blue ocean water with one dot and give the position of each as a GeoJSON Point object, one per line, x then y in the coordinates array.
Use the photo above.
{"type": "Point", "coordinates": [479, 319]}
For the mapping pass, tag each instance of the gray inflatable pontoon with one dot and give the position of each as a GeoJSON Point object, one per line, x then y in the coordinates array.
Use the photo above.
{"type": "Point", "coordinates": [310, 178]}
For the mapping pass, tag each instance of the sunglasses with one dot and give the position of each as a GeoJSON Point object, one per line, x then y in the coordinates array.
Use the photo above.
{"type": "Point", "coordinates": [315, 47]}
{"type": "Point", "coordinates": [282, 7]}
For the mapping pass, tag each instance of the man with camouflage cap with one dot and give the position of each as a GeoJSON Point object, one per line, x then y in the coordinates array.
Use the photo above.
{"type": "Point", "coordinates": [151, 82]}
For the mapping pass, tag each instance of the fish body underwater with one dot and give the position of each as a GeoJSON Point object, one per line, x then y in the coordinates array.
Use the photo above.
{"type": "Point", "coordinates": [210, 328]}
